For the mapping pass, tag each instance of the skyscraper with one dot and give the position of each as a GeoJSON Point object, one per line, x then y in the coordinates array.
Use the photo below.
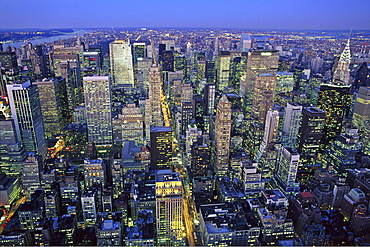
{"type": "Point", "coordinates": [335, 101]}
{"type": "Point", "coordinates": [161, 147]}
{"type": "Point", "coordinates": [271, 126]}
{"type": "Point", "coordinates": [169, 208]}
{"type": "Point", "coordinates": [31, 175]}
{"type": "Point", "coordinates": [309, 139]}
{"type": "Point", "coordinates": [26, 112]}
{"type": "Point", "coordinates": [168, 61]}
{"type": "Point", "coordinates": [12, 153]}
{"type": "Point", "coordinates": [223, 69]}
{"type": "Point", "coordinates": [341, 74]}
{"type": "Point", "coordinates": [259, 62]}
{"type": "Point", "coordinates": [121, 63]}
{"type": "Point", "coordinates": [98, 109]}
{"type": "Point", "coordinates": [287, 169]}
{"type": "Point", "coordinates": [132, 124]}
{"type": "Point", "coordinates": [361, 117]}
{"type": "Point", "coordinates": [54, 105]}
{"type": "Point", "coordinates": [263, 96]}
{"type": "Point", "coordinates": [153, 108]}
{"type": "Point", "coordinates": [246, 42]}
{"type": "Point", "coordinates": [209, 99]}
{"type": "Point", "coordinates": [292, 121]}
{"type": "Point", "coordinates": [222, 136]}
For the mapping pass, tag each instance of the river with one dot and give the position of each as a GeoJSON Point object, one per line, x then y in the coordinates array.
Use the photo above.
{"type": "Point", "coordinates": [48, 39]}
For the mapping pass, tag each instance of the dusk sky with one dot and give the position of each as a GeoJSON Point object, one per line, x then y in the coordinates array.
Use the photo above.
{"type": "Point", "coordinates": [243, 14]}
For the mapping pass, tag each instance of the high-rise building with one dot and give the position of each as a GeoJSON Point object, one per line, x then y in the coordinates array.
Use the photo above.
{"type": "Point", "coordinates": [263, 96]}
{"type": "Point", "coordinates": [168, 61]}
{"type": "Point", "coordinates": [26, 111]}
{"type": "Point", "coordinates": [361, 117]}
{"type": "Point", "coordinates": [31, 175]}
{"type": "Point", "coordinates": [98, 109]}
{"type": "Point", "coordinates": [169, 208]}
{"type": "Point", "coordinates": [222, 136]}
{"type": "Point", "coordinates": [94, 172]}
{"type": "Point", "coordinates": [259, 62]}
{"type": "Point", "coordinates": [10, 190]}
{"type": "Point", "coordinates": [161, 147]}
{"type": "Point", "coordinates": [292, 121]}
{"type": "Point", "coordinates": [361, 77]}
{"type": "Point", "coordinates": [335, 101]}
{"type": "Point", "coordinates": [341, 74]}
{"type": "Point", "coordinates": [132, 124]}
{"type": "Point", "coordinates": [143, 68]}
{"type": "Point", "coordinates": [153, 108]}
{"type": "Point", "coordinates": [246, 42]}
{"type": "Point", "coordinates": [309, 139]}
{"type": "Point", "coordinates": [12, 153]}
{"type": "Point", "coordinates": [287, 170]}
{"type": "Point", "coordinates": [223, 69]}
{"type": "Point", "coordinates": [54, 105]}
{"type": "Point", "coordinates": [186, 116]}
{"type": "Point", "coordinates": [121, 63]}
{"type": "Point", "coordinates": [139, 50]}
{"type": "Point", "coordinates": [89, 206]}
{"type": "Point", "coordinates": [341, 154]}
{"type": "Point", "coordinates": [209, 99]}
{"type": "Point", "coordinates": [271, 126]}
{"type": "Point", "coordinates": [93, 60]}
{"type": "Point", "coordinates": [285, 82]}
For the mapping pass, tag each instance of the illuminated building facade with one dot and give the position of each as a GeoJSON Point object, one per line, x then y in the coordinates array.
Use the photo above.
{"type": "Point", "coordinates": [263, 96]}
{"type": "Point", "coordinates": [361, 117]}
{"type": "Point", "coordinates": [98, 109]}
{"type": "Point", "coordinates": [94, 172]}
{"type": "Point", "coordinates": [223, 70]}
{"type": "Point", "coordinates": [285, 82]}
{"type": "Point", "coordinates": [26, 112]}
{"type": "Point", "coordinates": [12, 153]}
{"type": "Point", "coordinates": [153, 108]}
{"type": "Point", "coordinates": [342, 72]}
{"type": "Point", "coordinates": [132, 124]}
{"type": "Point", "coordinates": [89, 207]}
{"type": "Point", "coordinates": [121, 63]}
{"type": "Point", "coordinates": [31, 175]}
{"type": "Point", "coordinates": [336, 102]}
{"type": "Point", "coordinates": [169, 208]}
{"type": "Point", "coordinates": [287, 170]}
{"type": "Point", "coordinates": [259, 62]}
{"type": "Point", "coordinates": [292, 121]}
{"type": "Point", "coordinates": [161, 147]}
{"type": "Point", "coordinates": [309, 139]}
{"type": "Point", "coordinates": [222, 136]}
{"type": "Point", "coordinates": [54, 105]}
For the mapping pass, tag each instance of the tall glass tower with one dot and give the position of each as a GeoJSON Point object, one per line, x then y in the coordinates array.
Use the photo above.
{"type": "Point", "coordinates": [98, 109]}
{"type": "Point", "coordinates": [26, 111]}
{"type": "Point", "coordinates": [121, 63]}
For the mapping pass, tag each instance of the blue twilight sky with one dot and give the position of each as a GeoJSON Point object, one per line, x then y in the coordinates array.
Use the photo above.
{"type": "Point", "coordinates": [243, 14]}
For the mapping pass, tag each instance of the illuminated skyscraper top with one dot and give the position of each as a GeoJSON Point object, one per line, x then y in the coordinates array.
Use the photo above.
{"type": "Point", "coordinates": [341, 73]}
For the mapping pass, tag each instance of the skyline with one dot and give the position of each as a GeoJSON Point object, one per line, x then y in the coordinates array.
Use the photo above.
{"type": "Point", "coordinates": [282, 15]}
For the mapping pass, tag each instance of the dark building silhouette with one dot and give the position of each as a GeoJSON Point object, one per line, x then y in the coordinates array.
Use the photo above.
{"type": "Point", "coordinates": [335, 101]}
{"type": "Point", "coordinates": [361, 79]}
{"type": "Point", "coordinates": [168, 61]}
{"type": "Point", "coordinates": [160, 147]}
